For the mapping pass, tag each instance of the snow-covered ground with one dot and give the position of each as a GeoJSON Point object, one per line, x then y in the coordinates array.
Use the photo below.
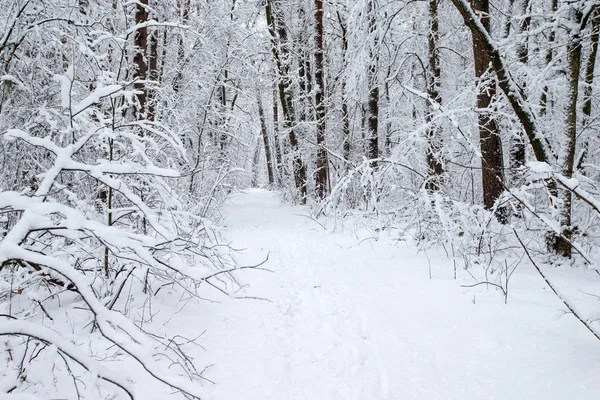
{"type": "Point", "coordinates": [349, 318]}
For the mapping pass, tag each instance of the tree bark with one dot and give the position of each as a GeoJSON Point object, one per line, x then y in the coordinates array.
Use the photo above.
{"type": "Point", "coordinates": [492, 163]}
{"type": "Point", "coordinates": [278, 152]}
{"type": "Point", "coordinates": [549, 57]}
{"type": "Point", "coordinates": [514, 96]}
{"type": "Point", "coordinates": [141, 44]}
{"type": "Point", "coordinates": [265, 137]}
{"type": "Point", "coordinates": [517, 142]}
{"type": "Point", "coordinates": [345, 114]}
{"type": "Point", "coordinates": [153, 73]}
{"type": "Point", "coordinates": [183, 6]}
{"type": "Point", "coordinates": [590, 69]}
{"type": "Point", "coordinates": [436, 168]}
{"type": "Point", "coordinates": [321, 172]}
{"type": "Point", "coordinates": [562, 244]}
{"type": "Point", "coordinates": [373, 102]}
{"type": "Point", "coordinates": [286, 98]}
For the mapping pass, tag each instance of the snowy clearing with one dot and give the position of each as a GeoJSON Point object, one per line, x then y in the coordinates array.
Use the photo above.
{"type": "Point", "coordinates": [360, 319]}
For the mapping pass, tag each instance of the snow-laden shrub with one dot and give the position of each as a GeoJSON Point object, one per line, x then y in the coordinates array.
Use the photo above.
{"type": "Point", "coordinates": [98, 213]}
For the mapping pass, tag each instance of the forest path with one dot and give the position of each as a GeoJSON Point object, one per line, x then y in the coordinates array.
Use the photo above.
{"type": "Point", "coordinates": [360, 319]}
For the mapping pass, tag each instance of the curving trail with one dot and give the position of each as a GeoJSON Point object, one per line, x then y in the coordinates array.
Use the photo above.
{"type": "Point", "coordinates": [360, 319]}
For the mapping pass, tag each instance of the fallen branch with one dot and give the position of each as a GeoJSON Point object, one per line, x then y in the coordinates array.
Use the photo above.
{"type": "Point", "coordinates": [571, 309]}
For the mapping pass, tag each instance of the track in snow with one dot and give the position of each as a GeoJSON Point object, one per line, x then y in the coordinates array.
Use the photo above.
{"type": "Point", "coordinates": [351, 319]}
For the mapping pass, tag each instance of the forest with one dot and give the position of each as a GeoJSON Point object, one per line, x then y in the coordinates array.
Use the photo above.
{"type": "Point", "coordinates": [299, 199]}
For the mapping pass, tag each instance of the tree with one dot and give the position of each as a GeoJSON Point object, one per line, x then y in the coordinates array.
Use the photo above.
{"type": "Point", "coordinates": [436, 168]}
{"type": "Point", "coordinates": [492, 159]}
{"type": "Point", "coordinates": [278, 34]}
{"type": "Point", "coordinates": [372, 142]}
{"type": "Point", "coordinates": [345, 113]}
{"type": "Point", "coordinates": [265, 138]}
{"type": "Point", "coordinates": [562, 243]}
{"type": "Point", "coordinates": [92, 200]}
{"type": "Point", "coordinates": [141, 55]}
{"type": "Point", "coordinates": [321, 172]}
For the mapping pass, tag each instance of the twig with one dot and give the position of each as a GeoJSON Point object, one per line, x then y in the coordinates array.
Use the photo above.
{"type": "Point", "coordinates": [312, 219]}
{"type": "Point", "coordinates": [486, 283]}
{"type": "Point", "coordinates": [589, 328]}
{"type": "Point", "coordinates": [121, 286]}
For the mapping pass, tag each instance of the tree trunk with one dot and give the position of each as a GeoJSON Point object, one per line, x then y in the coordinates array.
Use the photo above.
{"type": "Point", "coordinates": [549, 57]}
{"type": "Point", "coordinates": [345, 115]}
{"type": "Point", "coordinates": [255, 168]}
{"type": "Point", "coordinates": [591, 67]}
{"type": "Point", "coordinates": [153, 73]}
{"type": "Point", "coordinates": [265, 137]}
{"type": "Point", "coordinates": [373, 102]}
{"type": "Point", "coordinates": [321, 172]}
{"type": "Point", "coordinates": [589, 81]}
{"type": "Point", "coordinates": [436, 169]}
{"type": "Point", "coordinates": [517, 142]}
{"type": "Point", "coordinates": [286, 98]}
{"type": "Point", "coordinates": [141, 44]}
{"type": "Point", "coordinates": [279, 168]}
{"type": "Point", "coordinates": [183, 6]}
{"type": "Point", "coordinates": [562, 244]}
{"type": "Point", "coordinates": [489, 134]}
{"type": "Point", "coordinates": [514, 96]}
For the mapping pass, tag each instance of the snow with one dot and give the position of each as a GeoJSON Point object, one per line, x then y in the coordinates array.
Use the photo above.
{"type": "Point", "coordinates": [95, 97]}
{"type": "Point", "coordinates": [539, 168]}
{"type": "Point", "coordinates": [47, 335]}
{"type": "Point", "coordinates": [354, 316]}
{"type": "Point", "coordinates": [66, 82]}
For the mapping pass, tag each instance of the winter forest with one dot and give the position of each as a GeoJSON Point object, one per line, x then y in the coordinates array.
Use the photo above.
{"type": "Point", "coordinates": [299, 199]}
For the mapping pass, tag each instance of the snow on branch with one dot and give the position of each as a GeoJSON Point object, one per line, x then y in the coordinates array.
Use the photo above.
{"type": "Point", "coordinates": [48, 336]}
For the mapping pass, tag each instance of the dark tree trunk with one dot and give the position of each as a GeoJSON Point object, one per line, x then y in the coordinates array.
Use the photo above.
{"type": "Point", "coordinates": [517, 142]}
{"type": "Point", "coordinates": [278, 155]}
{"type": "Point", "coordinates": [489, 135]}
{"type": "Point", "coordinates": [590, 69]}
{"type": "Point", "coordinates": [255, 167]}
{"type": "Point", "coordinates": [321, 172]}
{"type": "Point", "coordinates": [345, 115]}
{"type": "Point", "coordinates": [222, 120]}
{"type": "Point", "coordinates": [436, 169]}
{"type": "Point", "coordinates": [515, 97]}
{"type": "Point", "coordinates": [373, 102]}
{"type": "Point", "coordinates": [549, 57]}
{"type": "Point", "coordinates": [520, 106]}
{"type": "Point", "coordinates": [183, 6]}
{"type": "Point", "coordinates": [509, 14]}
{"type": "Point", "coordinates": [286, 97]}
{"type": "Point", "coordinates": [523, 47]}
{"type": "Point", "coordinates": [563, 243]}
{"type": "Point", "coordinates": [163, 58]}
{"type": "Point", "coordinates": [141, 44]}
{"type": "Point", "coordinates": [153, 73]}
{"type": "Point", "coordinates": [265, 137]}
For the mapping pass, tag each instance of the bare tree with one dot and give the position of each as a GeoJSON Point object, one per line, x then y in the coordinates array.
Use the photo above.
{"type": "Point", "coordinates": [372, 140]}
{"type": "Point", "coordinates": [278, 34]}
{"type": "Point", "coordinates": [265, 137]}
{"type": "Point", "coordinates": [141, 53]}
{"type": "Point", "coordinates": [562, 243]}
{"type": "Point", "coordinates": [321, 172]}
{"type": "Point", "coordinates": [436, 168]}
{"type": "Point", "coordinates": [492, 160]}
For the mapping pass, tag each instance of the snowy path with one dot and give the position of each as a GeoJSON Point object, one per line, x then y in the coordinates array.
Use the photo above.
{"type": "Point", "coordinates": [362, 320]}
